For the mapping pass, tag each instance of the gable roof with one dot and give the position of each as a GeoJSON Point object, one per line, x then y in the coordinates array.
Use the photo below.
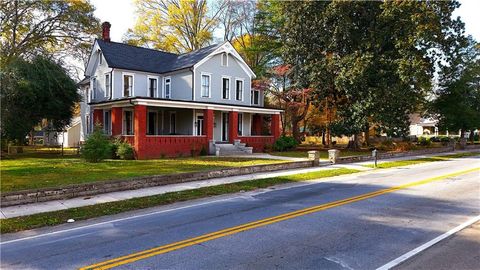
{"type": "Point", "coordinates": [124, 56]}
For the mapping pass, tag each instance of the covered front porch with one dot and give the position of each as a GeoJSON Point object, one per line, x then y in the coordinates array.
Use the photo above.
{"type": "Point", "coordinates": [158, 128]}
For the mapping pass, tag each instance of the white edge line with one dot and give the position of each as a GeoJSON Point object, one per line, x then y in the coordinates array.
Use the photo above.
{"type": "Point", "coordinates": [430, 243]}
{"type": "Point", "coordinates": [113, 221]}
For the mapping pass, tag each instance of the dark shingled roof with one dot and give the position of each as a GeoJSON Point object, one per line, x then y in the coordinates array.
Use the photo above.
{"type": "Point", "coordinates": [124, 56]}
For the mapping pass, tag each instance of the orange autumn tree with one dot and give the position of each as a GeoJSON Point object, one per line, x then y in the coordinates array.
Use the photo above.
{"type": "Point", "coordinates": [295, 102]}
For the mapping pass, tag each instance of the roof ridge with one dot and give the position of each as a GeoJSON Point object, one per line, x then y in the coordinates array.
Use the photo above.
{"type": "Point", "coordinates": [129, 45]}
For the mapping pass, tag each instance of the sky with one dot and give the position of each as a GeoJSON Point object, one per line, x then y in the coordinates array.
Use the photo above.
{"type": "Point", "coordinates": [121, 14]}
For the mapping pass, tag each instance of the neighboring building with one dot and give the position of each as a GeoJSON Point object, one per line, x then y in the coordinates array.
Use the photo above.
{"type": "Point", "coordinates": [70, 137]}
{"type": "Point", "coordinates": [169, 104]}
{"type": "Point", "coordinates": [420, 126]}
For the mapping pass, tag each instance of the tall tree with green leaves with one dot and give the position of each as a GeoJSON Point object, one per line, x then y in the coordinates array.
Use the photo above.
{"type": "Point", "coordinates": [457, 101]}
{"type": "Point", "coordinates": [32, 91]}
{"type": "Point", "coordinates": [372, 62]}
{"type": "Point", "coordinates": [176, 26]}
{"type": "Point", "coordinates": [58, 27]}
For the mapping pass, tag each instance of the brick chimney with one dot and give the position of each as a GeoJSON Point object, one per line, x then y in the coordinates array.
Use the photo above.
{"type": "Point", "coordinates": [106, 31]}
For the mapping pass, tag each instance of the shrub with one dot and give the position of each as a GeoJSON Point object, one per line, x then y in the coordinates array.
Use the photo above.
{"type": "Point", "coordinates": [203, 151]}
{"type": "Point", "coordinates": [284, 143]}
{"type": "Point", "coordinates": [387, 145]}
{"type": "Point", "coordinates": [97, 147]}
{"type": "Point", "coordinates": [424, 141]}
{"type": "Point", "coordinates": [125, 151]}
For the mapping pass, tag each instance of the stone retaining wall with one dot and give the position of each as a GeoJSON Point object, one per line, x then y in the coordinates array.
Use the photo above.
{"type": "Point", "coordinates": [88, 189]}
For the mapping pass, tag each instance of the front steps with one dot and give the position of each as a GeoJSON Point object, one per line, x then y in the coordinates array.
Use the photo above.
{"type": "Point", "coordinates": [235, 149]}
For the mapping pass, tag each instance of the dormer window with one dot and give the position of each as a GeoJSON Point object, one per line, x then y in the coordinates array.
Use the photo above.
{"type": "Point", "coordinates": [224, 59]}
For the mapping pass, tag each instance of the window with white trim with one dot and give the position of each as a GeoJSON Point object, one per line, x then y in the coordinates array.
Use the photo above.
{"type": "Point", "coordinates": [168, 87]}
{"type": "Point", "coordinates": [173, 123]}
{"type": "Point", "coordinates": [205, 85]}
{"type": "Point", "coordinates": [239, 89]}
{"type": "Point", "coordinates": [224, 59]}
{"type": "Point", "coordinates": [107, 85]}
{"type": "Point", "coordinates": [107, 122]}
{"type": "Point", "coordinates": [127, 85]}
{"type": "Point", "coordinates": [94, 88]}
{"type": "Point", "coordinates": [88, 124]}
{"type": "Point", "coordinates": [225, 88]}
{"type": "Point", "coordinates": [255, 97]}
{"type": "Point", "coordinates": [128, 122]}
{"type": "Point", "coordinates": [100, 57]}
{"type": "Point", "coordinates": [240, 124]}
{"type": "Point", "coordinates": [152, 87]}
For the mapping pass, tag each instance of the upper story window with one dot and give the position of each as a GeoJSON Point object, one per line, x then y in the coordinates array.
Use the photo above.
{"type": "Point", "coordinates": [100, 57]}
{"type": "Point", "coordinates": [225, 88]}
{"type": "Point", "coordinates": [205, 85]}
{"type": "Point", "coordinates": [224, 59]}
{"type": "Point", "coordinates": [108, 87]}
{"type": "Point", "coordinates": [168, 87]}
{"type": "Point", "coordinates": [93, 92]}
{"type": "Point", "coordinates": [152, 87]}
{"type": "Point", "coordinates": [255, 97]}
{"type": "Point", "coordinates": [127, 85]}
{"type": "Point", "coordinates": [239, 89]}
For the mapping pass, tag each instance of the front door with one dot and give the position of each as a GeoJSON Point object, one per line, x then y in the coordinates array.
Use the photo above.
{"type": "Point", "coordinates": [225, 127]}
{"type": "Point", "coordinates": [199, 125]}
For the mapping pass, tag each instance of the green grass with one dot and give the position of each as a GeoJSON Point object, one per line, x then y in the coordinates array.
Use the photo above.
{"type": "Point", "coordinates": [400, 163]}
{"type": "Point", "coordinates": [30, 171]}
{"type": "Point", "coordinates": [323, 154]}
{"type": "Point", "coordinates": [81, 213]}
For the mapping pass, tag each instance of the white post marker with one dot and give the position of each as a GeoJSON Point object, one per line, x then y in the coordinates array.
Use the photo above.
{"type": "Point", "coordinates": [430, 243]}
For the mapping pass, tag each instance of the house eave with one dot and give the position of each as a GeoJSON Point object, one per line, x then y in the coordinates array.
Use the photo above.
{"type": "Point", "coordinates": [158, 102]}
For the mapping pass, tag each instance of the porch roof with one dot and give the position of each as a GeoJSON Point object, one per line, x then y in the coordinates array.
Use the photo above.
{"type": "Point", "coordinates": [170, 103]}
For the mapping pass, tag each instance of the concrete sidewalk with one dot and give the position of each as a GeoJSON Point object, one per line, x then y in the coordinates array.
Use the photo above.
{"type": "Point", "coordinates": [35, 208]}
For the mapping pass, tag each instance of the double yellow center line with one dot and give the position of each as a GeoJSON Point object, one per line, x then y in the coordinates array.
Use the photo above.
{"type": "Point", "coordinates": [259, 223]}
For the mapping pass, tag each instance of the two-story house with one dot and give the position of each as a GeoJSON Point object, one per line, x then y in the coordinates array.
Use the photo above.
{"type": "Point", "coordinates": [168, 104]}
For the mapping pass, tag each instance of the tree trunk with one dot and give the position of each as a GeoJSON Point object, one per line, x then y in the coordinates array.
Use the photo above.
{"type": "Point", "coordinates": [353, 143]}
{"type": "Point", "coordinates": [470, 137]}
{"type": "Point", "coordinates": [323, 137]}
{"type": "Point", "coordinates": [295, 130]}
{"type": "Point", "coordinates": [367, 134]}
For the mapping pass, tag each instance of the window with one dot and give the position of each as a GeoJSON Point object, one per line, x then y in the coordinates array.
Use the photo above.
{"type": "Point", "coordinates": [239, 89]}
{"type": "Point", "coordinates": [108, 89]}
{"type": "Point", "coordinates": [100, 57]}
{"type": "Point", "coordinates": [205, 85]}
{"type": "Point", "coordinates": [128, 122]}
{"type": "Point", "coordinates": [151, 123]}
{"type": "Point", "coordinates": [173, 123]}
{"type": "Point", "coordinates": [107, 122]}
{"type": "Point", "coordinates": [127, 85]}
{"type": "Point", "coordinates": [225, 88]}
{"type": "Point", "coordinates": [255, 97]}
{"type": "Point", "coordinates": [168, 87]}
{"type": "Point", "coordinates": [240, 124]}
{"type": "Point", "coordinates": [152, 87]}
{"type": "Point", "coordinates": [94, 88]}
{"type": "Point", "coordinates": [224, 59]}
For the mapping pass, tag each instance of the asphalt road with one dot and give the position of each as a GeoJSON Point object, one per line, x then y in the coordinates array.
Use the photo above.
{"type": "Point", "coordinates": [363, 232]}
{"type": "Point", "coordinates": [460, 252]}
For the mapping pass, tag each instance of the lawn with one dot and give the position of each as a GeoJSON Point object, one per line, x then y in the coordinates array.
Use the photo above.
{"type": "Point", "coordinates": [323, 153]}
{"type": "Point", "coordinates": [86, 212]}
{"type": "Point", "coordinates": [28, 171]}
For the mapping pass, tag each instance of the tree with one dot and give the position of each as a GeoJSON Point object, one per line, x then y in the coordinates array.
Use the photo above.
{"type": "Point", "coordinates": [370, 62]}
{"type": "Point", "coordinates": [32, 91]}
{"type": "Point", "coordinates": [177, 26]}
{"type": "Point", "coordinates": [457, 104]}
{"type": "Point", "coordinates": [46, 27]}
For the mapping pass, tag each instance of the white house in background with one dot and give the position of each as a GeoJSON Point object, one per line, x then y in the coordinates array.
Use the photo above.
{"type": "Point", "coordinates": [420, 126]}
